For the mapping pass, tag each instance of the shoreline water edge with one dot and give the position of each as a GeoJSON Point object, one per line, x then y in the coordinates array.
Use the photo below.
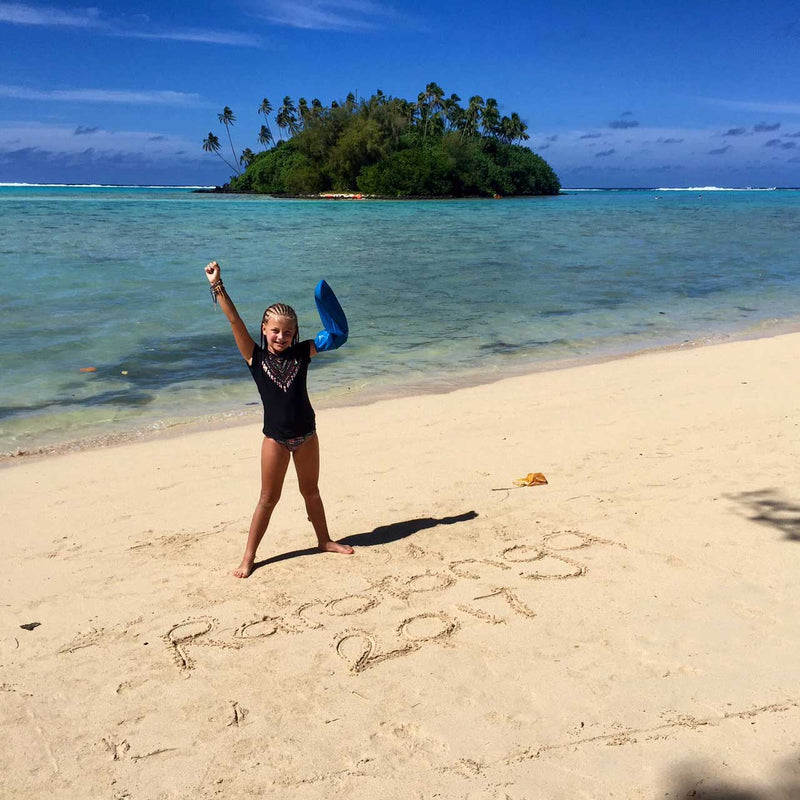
{"type": "Point", "coordinates": [453, 383]}
{"type": "Point", "coordinates": [110, 334]}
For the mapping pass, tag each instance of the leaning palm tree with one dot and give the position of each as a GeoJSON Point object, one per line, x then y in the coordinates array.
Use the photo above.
{"type": "Point", "coordinates": [212, 145]}
{"type": "Point", "coordinates": [287, 116]}
{"type": "Point", "coordinates": [246, 158]}
{"type": "Point", "coordinates": [266, 109]}
{"type": "Point", "coordinates": [265, 136]}
{"type": "Point", "coordinates": [227, 119]}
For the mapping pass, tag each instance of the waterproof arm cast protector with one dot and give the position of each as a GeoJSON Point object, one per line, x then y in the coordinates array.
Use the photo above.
{"type": "Point", "coordinates": [333, 319]}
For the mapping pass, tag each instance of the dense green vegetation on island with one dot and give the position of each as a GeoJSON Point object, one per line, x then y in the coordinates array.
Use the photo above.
{"type": "Point", "coordinates": [389, 147]}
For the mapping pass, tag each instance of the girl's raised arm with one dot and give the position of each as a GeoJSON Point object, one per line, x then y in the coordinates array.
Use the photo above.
{"type": "Point", "coordinates": [243, 339]}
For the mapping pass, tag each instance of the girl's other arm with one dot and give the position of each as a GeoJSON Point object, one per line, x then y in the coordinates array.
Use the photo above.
{"type": "Point", "coordinates": [243, 339]}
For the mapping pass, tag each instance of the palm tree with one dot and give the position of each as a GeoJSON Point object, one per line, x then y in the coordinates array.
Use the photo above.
{"type": "Point", "coordinates": [421, 107]}
{"type": "Point", "coordinates": [246, 158]}
{"type": "Point", "coordinates": [506, 130]}
{"type": "Point", "coordinates": [265, 136]}
{"type": "Point", "coordinates": [453, 112]}
{"type": "Point", "coordinates": [304, 111]}
{"type": "Point", "coordinates": [286, 117]}
{"type": "Point", "coordinates": [227, 119]}
{"type": "Point", "coordinates": [518, 128]}
{"type": "Point", "coordinates": [472, 116]}
{"type": "Point", "coordinates": [491, 117]}
{"type": "Point", "coordinates": [317, 109]}
{"type": "Point", "coordinates": [433, 100]}
{"type": "Point", "coordinates": [212, 145]}
{"type": "Point", "coordinates": [266, 109]}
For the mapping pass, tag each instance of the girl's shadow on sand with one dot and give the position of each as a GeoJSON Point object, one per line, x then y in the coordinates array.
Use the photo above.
{"type": "Point", "coordinates": [383, 534]}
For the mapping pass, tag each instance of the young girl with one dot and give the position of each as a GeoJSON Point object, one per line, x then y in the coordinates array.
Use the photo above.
{"type": "Point", "coordinates": [279, 365]}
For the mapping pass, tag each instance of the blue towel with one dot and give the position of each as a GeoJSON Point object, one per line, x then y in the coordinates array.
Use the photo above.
{"type": "Point", "coordinates": [333, 319]}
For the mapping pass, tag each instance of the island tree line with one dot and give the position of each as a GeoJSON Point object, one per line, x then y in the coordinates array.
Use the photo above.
{"type": "Point", "coordinates": [389, 147]}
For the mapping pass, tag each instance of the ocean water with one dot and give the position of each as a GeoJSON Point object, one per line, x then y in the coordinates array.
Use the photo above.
{"type": "Point", "coordinates": [438, 293]}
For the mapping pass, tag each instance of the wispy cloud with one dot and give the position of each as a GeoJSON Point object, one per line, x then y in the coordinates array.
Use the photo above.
{"type": "Point", "coordinates": [591, 136]}
{"type": "Point", "coordinates": [763, 127]}
{"type": "Point", "coordinates": [777, 107]}
{"type": "Point", "coordinates": [193, 35]}
{"type": "Point", "coordinates": [21, 14]}
{"type": "Point", "coordinates": [336, 15]}
{"type": "Point", "coordinates": [604, 153]}
{"type": "Point", "coordinates": [136, 27]}
{"type": "Point", "coordinates": [83, 130]}
{"type": "Point", "coordinates": [102, 96]}
{"type": "Point", "coordinates": [735, 132]}
{"type": "Point", "coordinates": [719, 150]}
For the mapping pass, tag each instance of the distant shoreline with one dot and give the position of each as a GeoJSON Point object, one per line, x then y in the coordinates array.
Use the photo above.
{"type": "Point", "coordinates": [219, 189]}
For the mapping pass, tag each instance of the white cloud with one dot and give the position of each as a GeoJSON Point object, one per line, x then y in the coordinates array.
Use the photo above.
{"type": "Point", "coordinates": [201, 36]}
{"type": "Point", "coordinates": [102, 96]}
{"type": "Point", "coordinates": [91, 19]}
{"type": "Point", "coordinates": [337, 15]}
{"type": "Point", "coordinates": [21, 14]}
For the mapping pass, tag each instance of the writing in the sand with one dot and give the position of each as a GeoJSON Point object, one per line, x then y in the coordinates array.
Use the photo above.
{"type": "Point", "coordinates": [373, 642]}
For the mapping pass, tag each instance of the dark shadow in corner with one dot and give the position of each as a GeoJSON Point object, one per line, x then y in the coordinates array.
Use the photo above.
{"type": "Point", "coordinates": [767, 507]}
{"type": "Point", "coordinates": [380, 535]}
{"type": "Point", "coordinates": [694, 783]}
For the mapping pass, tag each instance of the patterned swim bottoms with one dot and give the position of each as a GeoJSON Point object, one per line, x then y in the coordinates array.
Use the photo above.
{"type": "Point", "coordinates": [292, 444]}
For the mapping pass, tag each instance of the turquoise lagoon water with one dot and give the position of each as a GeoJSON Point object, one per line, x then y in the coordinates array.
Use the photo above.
{"type": "Point", "coordinates": [438, 293]}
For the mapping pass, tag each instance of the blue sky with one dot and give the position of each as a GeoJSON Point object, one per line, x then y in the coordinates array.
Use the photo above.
{"type": "Point", "coordinates": [613, 93]}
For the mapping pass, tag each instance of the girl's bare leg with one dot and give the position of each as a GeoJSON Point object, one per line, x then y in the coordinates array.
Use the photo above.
{"type": "Point", "coordinates": [306, 462]}
{"type": "Point", "coordinates": [274, 462]}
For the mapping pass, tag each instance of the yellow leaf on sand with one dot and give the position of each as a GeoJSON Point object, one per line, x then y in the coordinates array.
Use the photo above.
{"type": "Point", "coordinates": [531, 479]}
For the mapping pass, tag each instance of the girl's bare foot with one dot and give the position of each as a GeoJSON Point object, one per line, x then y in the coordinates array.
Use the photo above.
{"type": "Point", "coordinates": [244, 569]}
{"type": "Point", "coordinates": [335, 547]}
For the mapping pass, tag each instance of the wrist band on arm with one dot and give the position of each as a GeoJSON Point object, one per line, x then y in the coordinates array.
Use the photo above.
{"type": "Point", "coordinates": [216, 289]}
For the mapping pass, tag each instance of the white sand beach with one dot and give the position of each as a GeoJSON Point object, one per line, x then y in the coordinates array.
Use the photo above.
{"type": "Point", "coordinates": [629, 630]}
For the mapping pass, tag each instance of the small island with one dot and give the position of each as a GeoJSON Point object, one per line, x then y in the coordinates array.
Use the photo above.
{"type": "Point", "coordinates": [385, 146]}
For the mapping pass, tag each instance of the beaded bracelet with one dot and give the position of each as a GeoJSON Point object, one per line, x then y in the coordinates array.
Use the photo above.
{"type": "Point", "coordinates": [216, 289]}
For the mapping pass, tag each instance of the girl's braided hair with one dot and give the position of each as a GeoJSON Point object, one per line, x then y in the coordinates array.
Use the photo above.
{"type": "Point", "coordinates": [280, 310]}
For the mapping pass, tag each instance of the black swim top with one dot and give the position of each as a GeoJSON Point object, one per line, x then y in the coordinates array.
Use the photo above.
{"type": "Point", "coordinates": [281, 381]}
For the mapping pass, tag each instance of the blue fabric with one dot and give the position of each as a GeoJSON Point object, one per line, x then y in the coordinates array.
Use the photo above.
{"type": "Point", "coordinates": [333, 319]}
